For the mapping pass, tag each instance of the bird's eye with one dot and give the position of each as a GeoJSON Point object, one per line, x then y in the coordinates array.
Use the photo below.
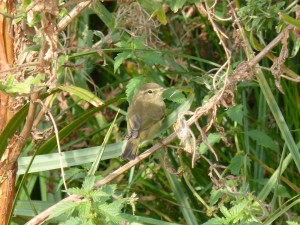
{"type": "Point", "coordinates": [150, 91]}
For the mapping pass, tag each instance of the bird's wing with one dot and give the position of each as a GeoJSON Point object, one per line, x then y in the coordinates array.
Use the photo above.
{"type": "Point", "coordinates": [133, 126]}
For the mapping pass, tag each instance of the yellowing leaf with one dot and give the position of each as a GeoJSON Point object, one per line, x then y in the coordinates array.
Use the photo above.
{"type": "Point", "coordinates": [161, 16]}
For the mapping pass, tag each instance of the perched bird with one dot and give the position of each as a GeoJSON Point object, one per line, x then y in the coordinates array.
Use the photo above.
{"type": "Point", "coordinates": [143, 117]}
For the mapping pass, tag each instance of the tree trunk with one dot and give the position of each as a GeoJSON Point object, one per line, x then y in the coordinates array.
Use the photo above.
{"type": "Point", "coordinates": [7, 170]}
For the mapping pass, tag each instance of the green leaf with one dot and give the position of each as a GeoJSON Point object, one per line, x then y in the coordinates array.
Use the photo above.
{"type": "Point", "coordinates": [38, 80]}
{"type": "Point", "coordinates": [28, 208]}
{"type": "Point", "coordinates": [236, 164]}
{"type": "Point", "coordinates": [236, 114]}
{"type": "Point", "coordinates": [107, 18]}
{"type": "Point", "coordinates": [145, 220]}
{"type": "Point", "coordinates": [137, 43]}
{"type": "Point", "coordinates": [122, 44]}
{"type": "Point", "coordinates": [111, 212]}
{"type": "Point", "coordinates": [174, 95]}
{"type": "Point", "coordinates": [133, 85]}
{"type": "Point", "coordinates": [84, 209]}
{"type": "Point", "coordinates": [88, 183]}
{"type": "Point", "coordinates": [171, 118]}
{"type": "Point", "coordinates": [31, 48]}
{"type": "Point", "coordinates": [225, 212]}
{"type": "Point", "coordinates": [73, 221]}
{"type": "Point", "coordinates": [215, 221]}
{"type": "Point", "coordinates": [238, 211]}
{"type": "Point", "coordinates": [33, 21]}
{"type": "Point", "coordinates": [272, 181]}
{"type": "Point", "coordinates": [77, 191]}
{"type": "Point", "coordinates": [292, 223]}
{"type": "Point", "coordinates": [104, 193]}
{"type": "Point", "coordinates": [212, 139]}
{"type": "Point", "coordinates": [160, 15]}
{"type": "Point", "coordinates": [263, 139]}
{"type": "Point", "coordinates": [288, 19]}
{"type": "Point", "coordinates": [82, 94]}
{"type": "Point", "coordinates": [283, 192]}
{"type": "Point", "coordinates": [296, 46]}
{"type": "Point", "coordinates": [64, 207]}
{"type": "Point", "coordinates": [120, 58]}
{"type": "Point", "coordinates": [176, 5]}
{"type": "Point", "coordinates": [253, 223]}
{"type": "Point", "coordinates": [13, 87]}
{"type": "Point", "coordinates": [215, 195]}
{"type": "Point", "coordinates": [152, 58]}
{"type": "Point", "coordinates": [10, 80]}
{"type": "Point", "coordinates": [63, 12]}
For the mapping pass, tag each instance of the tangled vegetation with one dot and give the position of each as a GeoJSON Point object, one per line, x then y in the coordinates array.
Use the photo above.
{"type": "Point", "coordinates": [228, 148]}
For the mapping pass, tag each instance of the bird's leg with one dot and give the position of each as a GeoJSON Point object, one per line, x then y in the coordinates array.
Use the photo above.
{"type": "Point", "coordinates": [132, 134]}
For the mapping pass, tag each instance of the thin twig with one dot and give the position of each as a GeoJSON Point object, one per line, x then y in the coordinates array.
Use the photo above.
{"type": "Point", "coordinates": [70, 3]}
{"type": "Point", "coordinates": [71, 15]}
{"type": "Point", "coordinates": [221, 37]}
{"type": "Point", "coordinates": [46, 110]}
{"type": "Point", "coordinates": [59, 150]}
{"type": "Point", "coordinates": [20, 66]}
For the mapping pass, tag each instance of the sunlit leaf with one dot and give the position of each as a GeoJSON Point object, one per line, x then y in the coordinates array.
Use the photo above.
{"type": "Point", "coordinates": [133, 85]}
{"type": "Point", "coordinates": [174, 95]}
{"type": "Point", "coordinates": [82, 94]}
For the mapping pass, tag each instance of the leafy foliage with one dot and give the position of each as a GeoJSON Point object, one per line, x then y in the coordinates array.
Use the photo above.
{"type": "Point", "coordinates": [98, 208]}
{"type": "Point", "coordinates": [174, 95]}
{"type": "Point", "coordinates": [133, 85]}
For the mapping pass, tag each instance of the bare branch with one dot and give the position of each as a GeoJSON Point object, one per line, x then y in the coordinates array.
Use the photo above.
{"type": "Point", "coordinates": [71, 15]}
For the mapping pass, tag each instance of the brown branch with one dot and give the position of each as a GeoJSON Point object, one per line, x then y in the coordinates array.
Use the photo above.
{"type": "Point", "coordinates": [16, 68]}
{"type": "Point", "coordinates": [4, 98]}
{"type": "Point", "coordinates": [8, 164]}
{"type": "Point", "coordinates": [71, 15]}
{"type": "Point", "coordinates": [18, 142]}
{"type": "Point", "coordinates": [269, 47]}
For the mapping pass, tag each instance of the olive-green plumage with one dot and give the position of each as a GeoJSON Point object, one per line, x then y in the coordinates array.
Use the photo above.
{"type": "Point", "coordinates": [143, 117]}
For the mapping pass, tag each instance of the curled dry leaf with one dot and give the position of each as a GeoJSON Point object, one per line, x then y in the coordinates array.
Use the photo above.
{"type": "Point", "coordinates": [278, 62]}
{"type": "Point", "coordinates": [228, 99]}
{"type": "Point", "coordinates": [168, 167]}
{"type": "Point", "coordinates": [185, 134]}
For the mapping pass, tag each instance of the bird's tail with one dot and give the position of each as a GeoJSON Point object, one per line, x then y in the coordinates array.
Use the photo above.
{"type": "Point", "coordinates": [131, 149]}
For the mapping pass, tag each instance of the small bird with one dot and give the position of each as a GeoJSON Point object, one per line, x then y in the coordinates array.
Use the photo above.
{"type": "Point", "coordinates": [143, 117]}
